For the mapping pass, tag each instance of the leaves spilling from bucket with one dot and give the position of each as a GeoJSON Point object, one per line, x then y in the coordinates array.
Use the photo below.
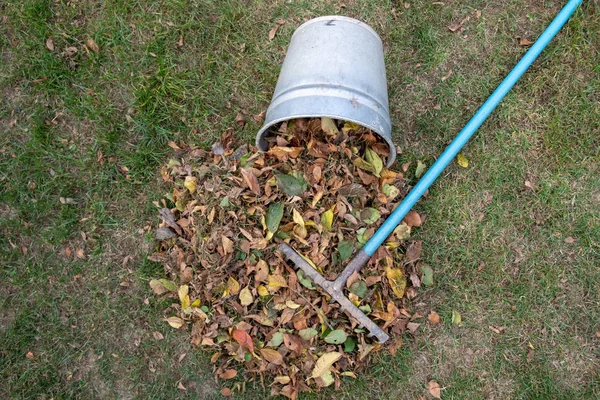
{"type": "Point", "coordinates": [323, 188]}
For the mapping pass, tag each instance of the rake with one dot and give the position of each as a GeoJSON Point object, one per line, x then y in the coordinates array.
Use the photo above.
{"type": "Point", "coordinates": [336, 288]}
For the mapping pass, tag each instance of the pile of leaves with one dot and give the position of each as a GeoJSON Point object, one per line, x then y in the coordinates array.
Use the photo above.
{"type": "Point", "coordinates": [323, 188]}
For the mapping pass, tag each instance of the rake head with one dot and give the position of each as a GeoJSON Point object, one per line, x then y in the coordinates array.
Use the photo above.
{"type": "Point", "coordinates": [336, 288]}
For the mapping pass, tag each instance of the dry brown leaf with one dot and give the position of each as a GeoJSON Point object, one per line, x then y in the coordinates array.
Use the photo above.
{"type": "Point", "coordinates": [50, 44]}
{"type": "Point", "coordinates": [570, 240]}
{"type": "Point", "coordinates": [180, 41]}
{"type": "Point", "coordinates": [79, 253]}
{"type": "Point", "coordinates": [158, 335]}
{"type": "Point", "coordinates": [525, 42]}
{"type": "Point", "coordinates": [226, 392]}
{"type": "Point", "coordinates": [92, 45]}
{"type": "Point", "coordinates": [434, 318]}
{"type": "Point", "coordinates": [251, 181]}
{"type": "Point", "coordinates": [227, 245]}
{"type": "Point", "coordinates": [228, 374]}
{"type": "Point", "coordinates": [412, 218]}
{"type": "Point", "coordinates": [454, 26]}
{"type": "Point", "coordinates": [435, 390]}
{"type": "Point", "coordinates": [272, 356]}
{"type": "Point", "coordinates": [274, 30]}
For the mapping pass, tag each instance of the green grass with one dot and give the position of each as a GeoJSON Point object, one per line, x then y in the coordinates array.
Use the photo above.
{"type": "Point", "coordinates": [94, 128]}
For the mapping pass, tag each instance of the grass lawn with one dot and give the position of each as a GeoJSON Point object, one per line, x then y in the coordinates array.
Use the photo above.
{"type": "Point", "coordinates": [83, 134]}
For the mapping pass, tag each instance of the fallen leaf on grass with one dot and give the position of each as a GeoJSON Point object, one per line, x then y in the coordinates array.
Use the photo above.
{"type": "Point", "coordinates": [496, 330]}
{"type": "Point", "coordinates": [420, 169]}
{"type": "Point", "coordinates": [228, 374]}
{"type": "Point", "coordinates": [462, 160]}
{"type": "Point", "coordinates": [569, 240]}
{"type": "Point", "coordinates": [453, 27]}
{"type": "Point", "coordinates": [525, 42]}
{"type": "Point", "coordinates": [226, 392]}
{"type": "Point", "coordinates": [456, 318]}
{"type": "Point", "coordinates": [157, 335]}
{"type": "Point", "coordinates": [274, 30]}
{"type": "Point", "coordinates": [29, 355]}
{"type": "Point", "coordinates": [175, 322]}
{"type": "Point", "coordinates": [50, 44]}
{"type": "Point", "coordinates": [435, 390]}
{"type": "Point", "coordinates": [92, 45]}
{"type": "Point", "coordinates": [427, 272]}
{"type": "Point", "coordinates": [434, 318]}
{"type": "Point", "coordinates": [80, 253]}
{"type": "Point", "coordinates": [412, 218]}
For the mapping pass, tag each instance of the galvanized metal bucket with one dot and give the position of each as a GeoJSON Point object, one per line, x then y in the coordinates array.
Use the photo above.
{"type": "Point", "coordinates": [333, 68]}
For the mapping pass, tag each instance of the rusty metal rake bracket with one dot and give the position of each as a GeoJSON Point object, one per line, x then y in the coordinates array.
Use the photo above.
{"type": "Point", "coordinates": [336, 288]}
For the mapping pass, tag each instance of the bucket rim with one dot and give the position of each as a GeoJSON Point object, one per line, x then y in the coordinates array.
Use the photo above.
{"type": "Point", "coordinates": [339, 18]}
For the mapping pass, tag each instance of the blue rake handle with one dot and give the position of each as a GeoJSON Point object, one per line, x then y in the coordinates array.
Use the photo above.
{"type": "Point", "coordinates": [465, 134]}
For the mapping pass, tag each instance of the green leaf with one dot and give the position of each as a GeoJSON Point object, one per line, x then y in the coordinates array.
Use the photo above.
{"type": "Point", "coordinates": [456, 318]}
{"type": "Point", "coordinates": [291, 185]}
{"type": "Point", "coordinates": [427, 272]}
{"type": "Point", "coordinates": [305, 281]}
{"type": "Point", "coordinates": [362, 164]}
{"type": "Point", "coordinates": [345, 248]}
{"type": "Point", "coordinates": [366, 309]}
{"type": "Point", "coordinates": [274, 215]}
{"type": "Point", "coordinates": [390, 191]}
{"type": "Point", "coordinates": [225, 202]}
{"type": "Point", "coordinates": [370, 215]}
{"type": "Point", "coordinates": [402, 231]}
{"type": "Point", "coordinates": [374, 159]}
{"type": "Point", "coordinates": [169, 285]}
{"type": "Point", "coordinates": [359, 288]}
{"type": "Point", "coordinates": [420, 169]}
{"type": "Point", "coordinates": [337, 336]}
{"type": "Point", "coordinates": [276, 340]}
{"type": "Point", "coordinates": [349, 345]}
{"type": "Point", "coordinates": [308, 333]}
{"type": "Point", "coordinates": [361, 235]}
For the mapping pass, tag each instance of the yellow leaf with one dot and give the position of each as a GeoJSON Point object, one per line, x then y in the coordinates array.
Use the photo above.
{"type": "Point", "coordinates": [196, 303]}
{"type": "Point", "coordinates": [276, 281]}
{"type": "Point", "coordinates": [191, 183]}
{"type": "Point", "coordinates": [283, 379]}
{"type": "Point", "coordinates": [298, 218]}
{"type": "Point", "coordinates": [246, 297]}
{"type": "Point", "coordinates": [262, 291]}
{"type": "Point", "coordinates": [183, 291]}
{"type": "Point", "coordinates": [175, 322]}
{"type": "Point", "coordinates": [456, 318]}
{"type": "Point", "coordinates": [462, 160]}
{"type": "Point", "coordinates": [233, 286]}
{"type": "Point", "coordinates": [397, 280]}
{"type": "Point", "coordinates": [328, 126]}
{"type": "Point", "coordinates": [185, 302]}
{"type": "Point", "coordinates": [327, 220]}
{"type": "Point", "coordinates": [324, 363]}
{"type": "Point", "coordinates": [291, 304]}
{"type": "Point", "coordinates": [350, 126]}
